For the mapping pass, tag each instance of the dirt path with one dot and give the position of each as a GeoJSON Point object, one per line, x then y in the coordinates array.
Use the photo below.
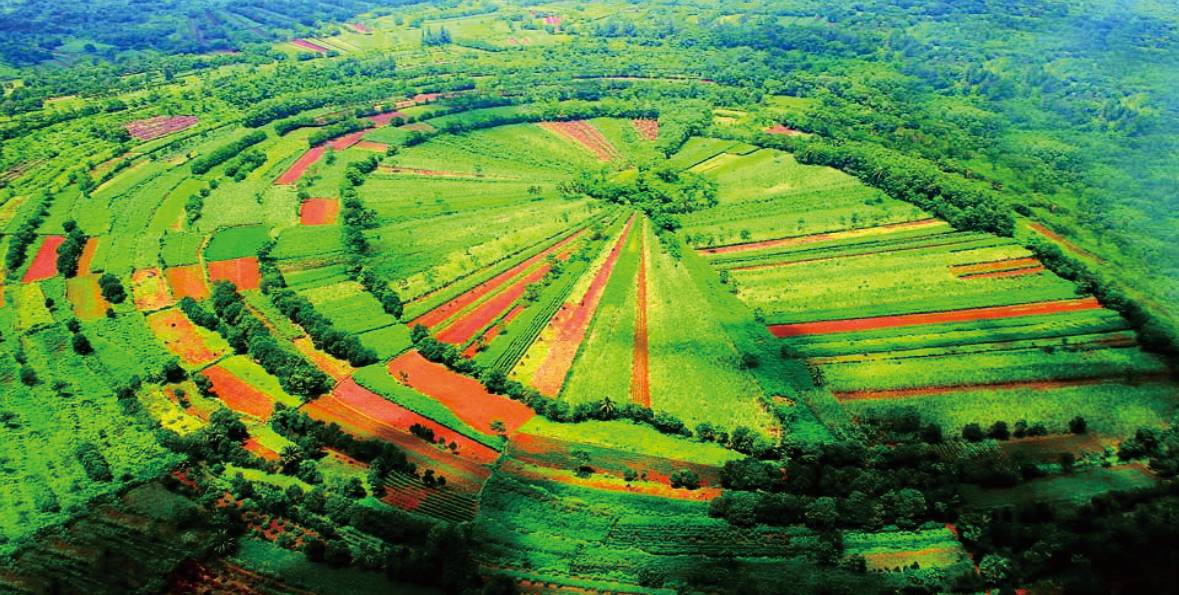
{"type": "Point", "coordinates": [640, 383]}
{"type": "Point", "coordinates": [964, 315]}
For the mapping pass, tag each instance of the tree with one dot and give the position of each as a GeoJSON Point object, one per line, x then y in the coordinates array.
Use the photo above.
{"type": "Point", "coordinates": [972, 432]}
{"type": "Point", "coordinates": [1078, 425]}
{"type": "Point", "coordinates": [112, 288]}
{"type": "Point", "coordinates": [995, 570]}
{"type": "Point", "coordinates": [81, 344]}
{"type": "Point", "coordinates": [685, 478]}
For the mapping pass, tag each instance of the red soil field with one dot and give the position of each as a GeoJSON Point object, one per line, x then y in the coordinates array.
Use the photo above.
{"type": "Point", "coordinates": [337, 369]}
{"type": "Point", "coordinates": [640, 380]}
{"type": "Point", "coordinates": [309, 45]}
{"type": "Point", "coordinates": [180, 337]}
{"type": "Point", "coordinates": [460, 473]}
{"type": "Point", "coordinates": [492, 332]}
{"type": "Point", "coordinates": [149, 290]}
{"type": "Point", "coordinates": [343, 142]}
{"type": "Point", "coordinates": [242, 272]}
{"type": "Point", "coordinates": [384, 119]}
{"type": "Point", "coordinates": [86, 261]}
{"type": "Point", "coordinates": [301, 164]}
{"type": "Point", "coordinates": [966, 315]}
{"type": "Point", "coordinates": [368, 145]}
{"type": "Point", "coordinates": [818, 237]}
{"type": "Point", "coordinates": [86, 296]}
{"type": "Point", "coordinates": [1008, 273]}
{"type": "Point", "coordinates": [319, 211]}
{"type": "Point", "coordinates": [783, 130]}
{"type": "Point", "coordinates": [187, 281]}
{"type": "Point", "coordinates": [239, 395]}
{"type": "Point", "coordinates": [997, 265]}
{"type": "Point", "coordinates": [1059, 239]}
{"type": "Point", "coordinates": [464, 396]}
{"type": "Point", "coordinates": [394, 415]}
{"type": "Point", "coordinates": [465, 327]}
{"type": "Point", "coordinates": [584, 134]}
{"type": "Point", "coordinates": [254, 447]}
{"type": "Point", "coordinates": [647, 129]}
{"type": "Point", "coordinates": [441, 313]}
{"type": "Point", "coordinates": [361, 28]}
{"type": "Point", "coordinates": [903, 393]}
{"type": "Point", "coordinates": [572, 323]}
{"type": "Point", "coordinates": [44, 264]}
{"type": "Point", "coordinates": [160, 126]}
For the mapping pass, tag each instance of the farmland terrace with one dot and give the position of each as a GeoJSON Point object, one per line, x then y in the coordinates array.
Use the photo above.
{"type": "Point", "coordinates": [441, 297]}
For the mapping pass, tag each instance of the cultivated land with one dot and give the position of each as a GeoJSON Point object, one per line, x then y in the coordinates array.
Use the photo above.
{"type": "Point", "coordinates": [492, 296]}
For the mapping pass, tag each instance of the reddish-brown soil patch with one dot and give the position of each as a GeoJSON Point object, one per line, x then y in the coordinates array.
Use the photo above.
{"type": "Point", "coordinates": [647, 129]}
{"type": "Point", "coordinates": [160, 126]}
{"type": "Point", "coordinates": [319, 211]}
{"type": "Point", "coordinates": [44, 264]}
{"type": "Point", "coordinates": [394, 415]}
{"type": "Point", "coordinates": [187, 281]}
{"type": "Point", "coordinates": [180, 337]}
{"type": "Point", "coordinates": [584, 134]}
{"type": "Point", "coordinates": [920, 246]}
{"type": "Point", "coordinates": [783, 130]}
{"type": "Point", "coordinates": [1008, 273]}
{"type": "Point", "coordinates": [309, 45]}
{"type": "Point", "coordinates": [86, 296]}
{"type": "Point", "coordinates": [995, 265]}
{"type": "Point", "coordinates": [361, 28]}
{"type": "Point", "coordinates": [337, 369]}
{"type": "Point", "coordinates": [572, 323]}
{"type": "Point", "coordinates": [904, 393]}
{"type": "Point", "coordinates": [343, 142]}
{"type": "Point", "coordinates": [149, 290]}
{"type": "Point", "coordinates": [464, 396]}
{"type": "Point", "coordinates": [461, 473]}
{"type": "Point", "coordinates": [256, 448]}
{"type": "Point", "coordinates": [966, 315]}
{"type": "Point", "coordinates": [466, 325]}
{"type": "Point", "coordinates": [1059, 239]}
{"type": "Point", "coordinates": [86, 260]}
{"type": "Point", "coordinates": [640, 379]}
{"type": "Point", "coordinates": [242, 272]}
{"type": "Point", "coordinates": [819, 237]}
{"type": "Point", "coordinates": [369, 145]}
{"type": "Point", "coordinates": [446, 310]}
{"type": "Point", "coordinates": [384, 119]}
{"type": "Point", "coordinates": [490, 334]}
{"type": "Point", "coordinates": [300, 166]}
{"type": "Point", "coordinates": [239, 395]}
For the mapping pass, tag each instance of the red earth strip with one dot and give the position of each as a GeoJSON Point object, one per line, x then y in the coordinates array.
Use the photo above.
{"type": "Point", "coordinates": [389, 413]}
{"type": "Point", "coordinates": [301, 164]}
{"type": "Point", "coordinates": [309, 45]}
{"type": "Point", "coordinates": [467, 325]}
{"type": "Point", "coordinates": [572, 323]}
{"type": "Point", "coordinates": [464, 396]}
{"type": "Point", "coordinates": [965, 315]}
{"type": "Point", "coordinates": [584, 134]}
{"type": "Point", "coordinates": [492, 332]}
{"type": "Point", "coordinates": [179, 335]}
{"type": "Point", "coordinates": [647, 129]}
{"type": "Point", "coordinates": [904, 393]}
{"type": "Point", "coordinates": [783, 130]}
{"type": "Point", "coordinates": [640, 380]}
{"type": "Point", "coordinates": [44, 264]}
{"type": "Point", "coordinates": [384, 119]}
{"type": "Point", "coordinates": [441, 313]}
{"type": "Point", "coordinates": [242, 272]}
{"type": "Point", "coordinates": [1052, 235]}
{"type": "Point", "coordinates": [86, 261]}
{"type": "Point", "coordinates": [159, 126]}
{"type": "Point", "coordinates": [343, 142]}
{"type": "Point", "coordinates": [995, 265]}
{"type": "Point", "coordinates": [187, 281]}
{"type": "Point", "coordinates": [818, 237]}
{"type": "Point", "coordinates": [319, 211]}
{"type": "Point", "coordinates": [1008, 273]}
{"type": "Point", "coordinates": [239, 395]}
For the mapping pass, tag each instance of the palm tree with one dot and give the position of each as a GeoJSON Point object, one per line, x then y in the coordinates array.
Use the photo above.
{"type": "Point", "coordinates": [291, 456]}
{"type": "Point", "coordinates": [607, 407]}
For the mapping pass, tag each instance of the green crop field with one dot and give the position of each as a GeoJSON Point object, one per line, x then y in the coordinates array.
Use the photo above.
{"type": "Point", "coordinates": [594, 297]}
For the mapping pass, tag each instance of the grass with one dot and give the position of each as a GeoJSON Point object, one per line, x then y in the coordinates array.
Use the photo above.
{"type": "Point", "coordinates": [293, 569]}
{"type": "Point", "coordinates": [237, 242]}
{"type": "Point", "coordinates": [633, 438]}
